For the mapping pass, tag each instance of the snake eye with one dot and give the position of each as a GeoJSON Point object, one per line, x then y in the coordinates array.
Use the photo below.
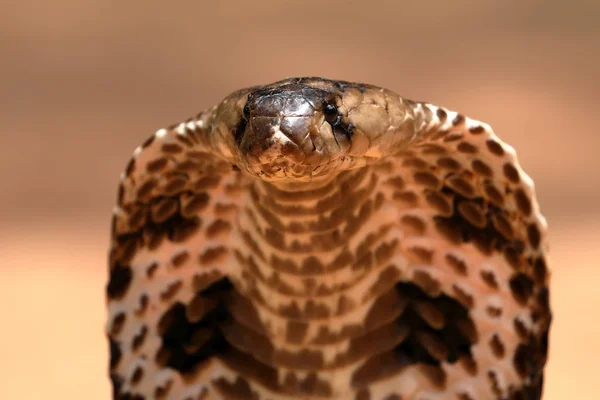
{"type": "Point", "coordinates": [331, 113]}
{"type": "Point", "coordinates": [246, 111]}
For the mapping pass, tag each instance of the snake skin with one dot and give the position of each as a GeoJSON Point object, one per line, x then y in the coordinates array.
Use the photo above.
{"type": "Point", "coordinates": [319, 239]}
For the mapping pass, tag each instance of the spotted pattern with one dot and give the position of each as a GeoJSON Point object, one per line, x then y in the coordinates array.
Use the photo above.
{"type": "Point", "coordinates": [414, 268]}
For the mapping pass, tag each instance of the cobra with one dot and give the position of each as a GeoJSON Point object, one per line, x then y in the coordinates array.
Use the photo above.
{"type": "Point", "coordinates": [321, 239]}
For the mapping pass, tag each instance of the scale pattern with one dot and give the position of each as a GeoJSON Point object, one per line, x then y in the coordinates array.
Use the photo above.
{"type": "Point", "coordinates": [407, 266]}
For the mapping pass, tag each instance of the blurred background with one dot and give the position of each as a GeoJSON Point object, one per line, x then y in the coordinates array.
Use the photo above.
{"type": "Point", "coordinates": [83, 82]}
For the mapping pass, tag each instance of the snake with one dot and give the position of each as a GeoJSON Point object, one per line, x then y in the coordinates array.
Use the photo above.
{"type": "Point", "coordinates": [323, 239]}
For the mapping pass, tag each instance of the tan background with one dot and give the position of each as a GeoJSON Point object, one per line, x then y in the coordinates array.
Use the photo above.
{"type": "Point", "coordinates": [83, 82]}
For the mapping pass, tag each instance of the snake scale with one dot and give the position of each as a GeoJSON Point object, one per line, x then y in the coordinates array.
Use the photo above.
{"type": "Point", "coordinates": [321, 239]}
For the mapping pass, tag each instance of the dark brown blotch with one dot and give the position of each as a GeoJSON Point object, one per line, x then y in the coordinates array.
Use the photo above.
{"type": "Point", "coordinates": [163, 209]}
{"type": "Point", "coordinates": [449, 230]}
{"type": "Point", "coordinates": [130, 167]}
{"type": "Point", "coordinates": [466, 147]}
{"type": "Point", "coordinates": [148, 141]}
{"type": "Point", "coordinates": [171, 290]}
{"type": "Point", "coordinates": [175, 185]}
{"type": "Point", "coordinates": [502, 225]}
{"type": "Point", "coordinates": [435, 374]}
{"type": "Point", "coordinates": [212, 255]}
{"type": "Point", "coordinates": [441, 203]}
{"type": "Point", "coordinates": [534, 235]}
{"type": "Point", "coordinates": [494, 383]}
{"type": "Point", "coordinates": [161, 392]}
{"type": "Point", "coordinates": [415, 162]}
{"type": "Point", "coordinates": [511, 173]}
{"type": "Point", "coordinates": [494, 312]}
{"type": "Point", "coordinates": [430, 314]}
{"type": "Point", "coordinates": [453, 136]}
{"type": "Point", "coordinates": [427, 283]}
{"type": "Point", "coordinates": [238, 390]}
{"type": "Point", "coordinates": [414, 223]}
{"type": "Point", "coordinates": [157, 165]}
{"type": "Point", "coordinates": [521, 287]}
{"type": "Point", "coordinates": [407, 197]}
{"type": "Point", "coordinates": [193, 204]}
{"type": "Point", "coordinates": [142, 305]}
{"type": "Point", "coordinates": [426, 179]}
{"type": "Point", "coordinates": [117, 324]}
{"type": "Point", "coordinates": [296, 331]}
{"type": "Point", "coordinates": [171, 148]}
{"type": "Point", "coordinates": [494, 195]}
{"type": "Point", "coordinates": [396, 182]}
{"type": "Point", "coordinates": [145, 190]}
{"type": "Point", "coordinates": [476, 129]}
{"type": "Point", "coordinates": [312, 265]}
{"type": "Point", "coordinates": [138, 374]}
{"type": "Point", "coordinates": [432, 148]}
{"type": "Point", "coordinates": [179, 259]}
{"type": "Point", "coordinates": [461, 186]}
{"type": "Point", "coordinates": [472, 213]}
{"type": "Point", "coordinates": [421, 255]}
{"type": "Point", "coordinates": [489, 278]}
{"type": "Point", "coordinates": [458, 119]}
{"type": "Point", "coordinates": [469, 364]}
{"type": "Point", "coordinates": [151, 270]}
{"type": "Point", "coordinates": [442, 115]}
{"type": "Point", "coordinates": [385, 251]}
{"type": "Point", "coordinates": [523, 202]}
{"type": "Point", "coordinates": [540, 270]}
{"type": "Point", "coordinates": [497, 346]}
{"type": "Point", "coordinates": [463, 297]}
{"type": "Point", "coordinates": [458, 265]}
{"type": "Point", "coordinates": [139, 338]}
{"type": "Point", "coordinates": [481, 168]}
{"type": "Point", "coordinates": [448, 163]}
{"type": "Point", "coordinates": [495, 147]}
{"type": "Point", "coordinates": [120, 198]}
{"type": "Point", "coordinates": [184, 229]}
{"type": "Point", "coordinates": [520, 328]}
{"type": "Point", "coordinates": [115, 353]}
{"type": "Point", "coordinates": [218, 227]}
{"type": "Point", "coordinates": [119, 281]}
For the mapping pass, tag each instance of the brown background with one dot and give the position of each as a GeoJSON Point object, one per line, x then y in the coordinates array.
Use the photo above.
{"type": "Point", "coordinates": [83, 82]}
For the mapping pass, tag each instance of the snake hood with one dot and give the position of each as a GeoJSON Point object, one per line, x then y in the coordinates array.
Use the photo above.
{"type": "Point", "coordinates": [303, 128]}
{"type": "Point", "coordinates": [315, 239]}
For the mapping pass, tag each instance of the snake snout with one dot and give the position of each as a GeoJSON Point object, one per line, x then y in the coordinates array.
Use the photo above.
{"type": "Point", "coordinates": [271, 139]}
{"type": "Point", "coordinates": [281, 130]}
{"type": "Point", "coordinates": [270, 135]}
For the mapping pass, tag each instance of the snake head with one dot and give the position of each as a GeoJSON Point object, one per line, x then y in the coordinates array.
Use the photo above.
{"type": "Point", "coordinates": [303, 128]}
{"type": "Point", "coordinates": [292, 130]}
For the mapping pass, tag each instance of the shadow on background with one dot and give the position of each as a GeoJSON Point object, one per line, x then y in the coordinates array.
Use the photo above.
{"type": "Point", "coordinates": [84, 82]}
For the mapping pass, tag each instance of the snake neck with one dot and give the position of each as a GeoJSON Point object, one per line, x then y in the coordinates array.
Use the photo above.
{"type": "Point", "coordinates": [308, 241]}
{"type": "Point", "coordinates": [308, 258]}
